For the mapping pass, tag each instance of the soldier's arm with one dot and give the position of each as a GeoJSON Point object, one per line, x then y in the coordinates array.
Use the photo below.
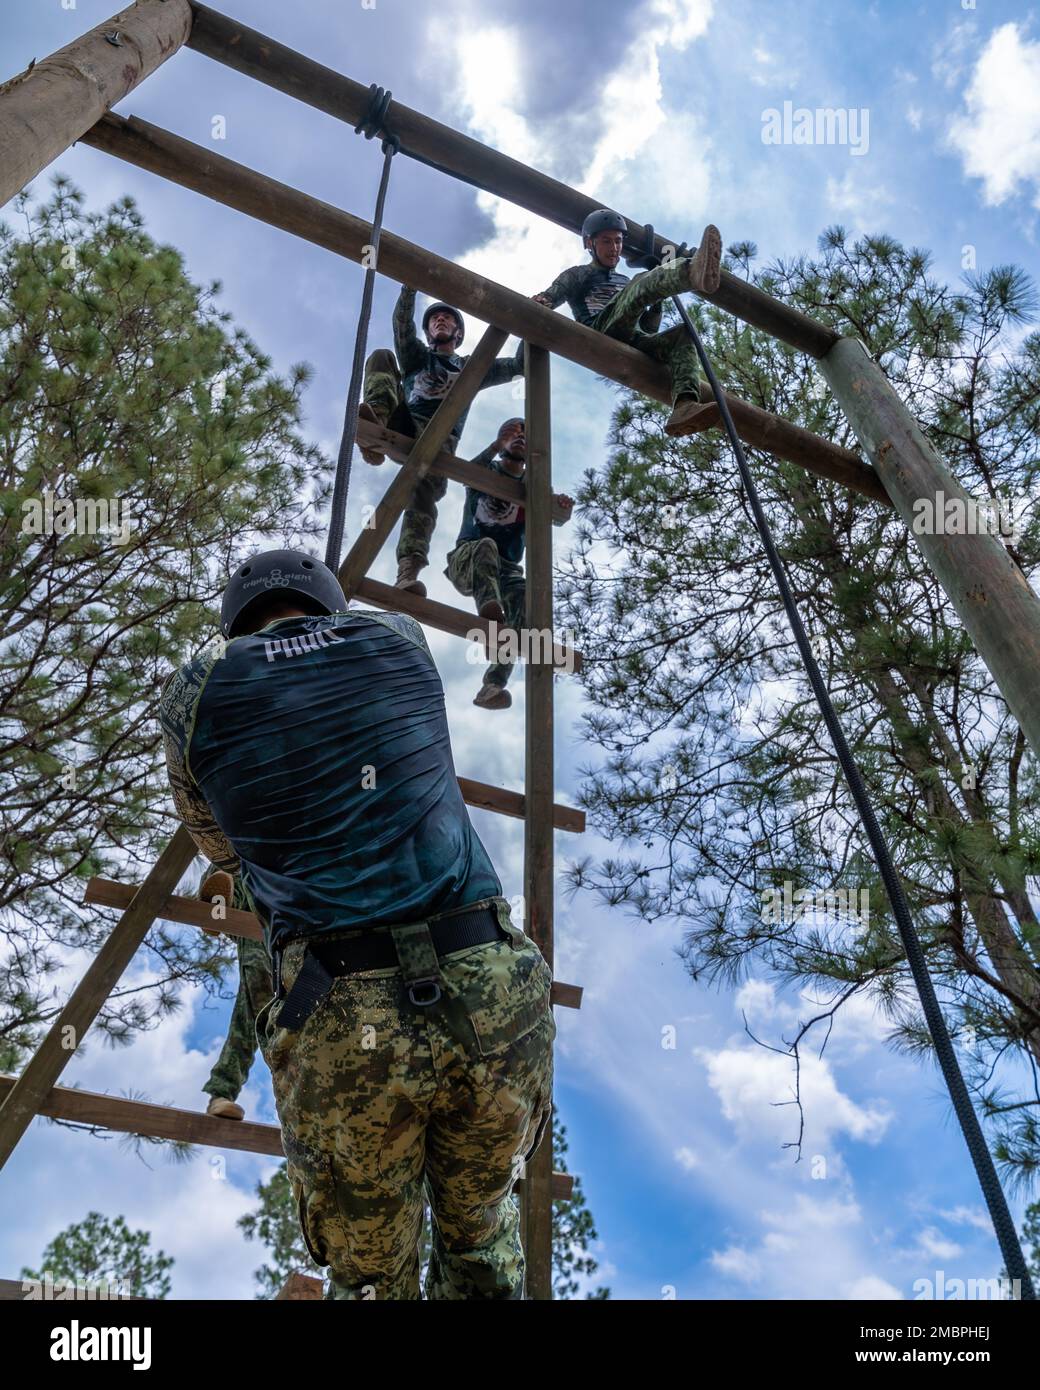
{"type": "Point", "coordinates": [560, 289]}
{"type": "Point", "coordinates": [504, 369]}
{"type": "Point", "coordinates": [410, 351]}
{"type": "Point", "coordinates": [487, 456]}
{"type": "Point", "coordinates": [176, 710]}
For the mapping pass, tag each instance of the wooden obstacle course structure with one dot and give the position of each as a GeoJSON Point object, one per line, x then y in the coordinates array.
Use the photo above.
{"type": "Point", "coordinates": [67, 98]}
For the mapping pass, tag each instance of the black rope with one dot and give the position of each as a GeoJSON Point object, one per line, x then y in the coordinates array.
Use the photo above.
{"type": "Point", "coordinates": [370, 125]}
{"type": "Point", "coordinates": [1004, 1227]}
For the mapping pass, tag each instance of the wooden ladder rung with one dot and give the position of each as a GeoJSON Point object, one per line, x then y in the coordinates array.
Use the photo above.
{"type": "Point", "coordinates": [445, 618]}
{"type": "Point", "coordinates": [167, 1122]}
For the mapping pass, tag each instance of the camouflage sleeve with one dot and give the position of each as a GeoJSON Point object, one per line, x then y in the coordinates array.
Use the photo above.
{"type": "Point", "coordinates": [503, 369]}
{"type": "Point", "coordinates": [410, 352]}
{"type": "Point", "coordinates": [177, 707]}
{"type": "Point", "coordinates": [564, 287]}
{"type": "Point", "coordinates": [487, 456]}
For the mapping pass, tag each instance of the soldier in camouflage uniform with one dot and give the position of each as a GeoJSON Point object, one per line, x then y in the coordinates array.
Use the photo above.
{"type": "Point", "coordinates": [402, 393]}
{"type": "Point", "coordinates": [600, 297]}
{"type": "Point", "coordinates": [410, 1032]}
{"type": "Point", "coordinates": [486, 560]}
{"type": "Point", "coordinates": [231, 1071]}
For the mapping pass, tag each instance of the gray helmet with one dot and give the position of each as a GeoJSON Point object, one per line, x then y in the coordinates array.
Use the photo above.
{"type": "Point", "coordinates": [602, 220]}
{"type": "Point", "coordinates": [448, 309]}
{"type": "Point", "coordinates": [281, 573]}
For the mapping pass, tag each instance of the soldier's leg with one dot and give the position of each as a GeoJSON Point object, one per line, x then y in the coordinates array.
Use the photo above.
{"type": "Point", "coordinates": [420, 519]}
{"type": "Point", "coordinates": [236, 1056]}
{"type": "Point", "coordinates": [513, 595]}
{"type": "Point", "coordinates": [489, 1116]}
{"type": "Point", "coordinates": [353, 1087]}
{"type": "Point", "coordinates": [382, 390]}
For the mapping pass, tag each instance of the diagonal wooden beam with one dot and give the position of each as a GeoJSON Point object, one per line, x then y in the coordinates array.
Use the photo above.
{"type": "Point", "coordinates": [86, 1001]}
{"type": "Point", "coordinates": [196, 167]}
{"type": "Point", "coordinates": [226, 40]}
{"type": "Point", "coordinates": [461, 395]}
{"type": "Point", "coordinates": [448, 619]}
{"type": "Point", "coordinates": [168, 1122]}
{"type": "Point", "coordinates": [399, 446]}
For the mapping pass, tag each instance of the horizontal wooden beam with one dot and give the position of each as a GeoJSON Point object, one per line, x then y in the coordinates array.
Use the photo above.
{"type": "Point", "coordinates": [186, 1126]}
{"type": "Point", "coordinates": [46, 108]}
{"type": "Point", "coordinates": [398, 446]}
{"type": "Point", "coordinates": [211, 174]}
{"type": "Point", "coordinates": [447, 619]}
{"type": "Point", "coordinates": [227, 41]}
{"type": "Point", "coordinates": [192, 912]}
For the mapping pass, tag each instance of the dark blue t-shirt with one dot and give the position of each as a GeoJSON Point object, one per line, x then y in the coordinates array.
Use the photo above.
{"type": "Point", "coordinates": [319, 749]}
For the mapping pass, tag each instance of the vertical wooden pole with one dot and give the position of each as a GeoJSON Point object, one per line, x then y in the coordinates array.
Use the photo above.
{"type": "Point", "coordinates": [87, 999]}
{"type": "Point", "coordinates": [539, 779]}
{"type": "Point", "coordinates": [47, 108]}
{"type": "Point", "coordinates": [993, 598]}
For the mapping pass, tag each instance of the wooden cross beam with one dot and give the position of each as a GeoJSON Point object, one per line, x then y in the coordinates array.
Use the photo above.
{"type": "Point", "coordinates": [213, 175]}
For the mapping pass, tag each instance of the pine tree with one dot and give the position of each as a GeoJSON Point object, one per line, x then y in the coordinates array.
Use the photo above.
{"type": "Point", "coordinates": [715, 774]}
{"type": "Point", "coordinates": [122, 386]}
{"type": "Point", "coordinates": [105, 1254]}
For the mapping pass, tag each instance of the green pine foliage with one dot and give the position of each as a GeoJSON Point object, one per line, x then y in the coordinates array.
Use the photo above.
{"type": "Point", "coordinates": [715, 777]}
{"type": "Point", "coordinates": [105, 1254]}
{"type": "Point", "coordinates": [122, 382]}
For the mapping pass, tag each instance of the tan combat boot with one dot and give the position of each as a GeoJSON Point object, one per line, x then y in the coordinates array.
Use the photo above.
{"type": "Point", "coordinates": [691, 417]}
{"type": "Point", "coordinates": [408, 568]}
{"type": "Point", "coordinates": [706, 265]}
{"type": "Point", "coordinates": [224, 1109]}
{"type": "Point", "coordinates": [491, 696]}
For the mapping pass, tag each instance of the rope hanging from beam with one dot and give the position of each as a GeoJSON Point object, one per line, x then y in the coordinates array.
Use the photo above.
{"type": "Point", "coordinates": [372, 123]}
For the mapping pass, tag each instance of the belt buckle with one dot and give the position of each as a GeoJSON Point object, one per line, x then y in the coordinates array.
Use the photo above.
{"type": "Point", "coordinates": [432, 984]}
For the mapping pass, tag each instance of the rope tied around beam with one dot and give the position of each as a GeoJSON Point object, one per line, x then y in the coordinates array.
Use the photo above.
{"type": "Point", "coordinates": [372, 123]}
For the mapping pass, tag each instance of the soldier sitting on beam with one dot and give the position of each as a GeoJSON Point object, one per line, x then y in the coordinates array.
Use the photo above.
{"type": "Point", "coordinates": [601, 297]}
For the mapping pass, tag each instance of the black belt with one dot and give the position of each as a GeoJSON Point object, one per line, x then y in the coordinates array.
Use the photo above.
{"type": "Point", "coordinates": [326, 961]}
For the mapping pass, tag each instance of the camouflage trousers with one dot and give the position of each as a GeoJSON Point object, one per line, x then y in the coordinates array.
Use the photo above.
{"type": "Point", "coordinates": [477, 568]}
{"type": "Point", "coordinates": [620, 319]}
{"type": "Point", "coordinates": [384, 1104]}
{"type": "Point", "coordinates": [384, 392]}
{"type": "Point", "coordinates": [254, 992]}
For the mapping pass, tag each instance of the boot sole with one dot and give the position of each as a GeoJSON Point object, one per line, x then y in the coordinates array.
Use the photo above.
{"type": "Point", "coordinates": [706, 266]}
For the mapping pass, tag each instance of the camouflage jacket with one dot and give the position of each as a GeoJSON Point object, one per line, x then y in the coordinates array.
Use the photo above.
{"type": "Point", "coordinates": [427, 374]}
{"type": "Point", "coordinates": [589, 288]}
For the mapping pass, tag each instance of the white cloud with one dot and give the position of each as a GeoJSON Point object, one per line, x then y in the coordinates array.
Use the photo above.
{"type": "Point", "coordinates": [934, 1245]}
{"type": "Point", "coordinates": [686, 1158]}
{"type": "Point", "coordinates": [737, 1264]}
{"type": "Point", "coordinates": [756, 1091]}
{"type": "Point", "coordinates": [855, 198]}
{"type": "Point", "coordinates": [914, 116]}
{"type": "Point", "coordinates": [872, 1287]}
{"type": "Point", "coordinates": [998, 136]}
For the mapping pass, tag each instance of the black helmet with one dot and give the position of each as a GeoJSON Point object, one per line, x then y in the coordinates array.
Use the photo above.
{"type": "Point", "coordinates": [602, 220]}
{"type": "Point", "coordinates": [282, 573]}
{"type": "Point", "coordinates": [449, 309]}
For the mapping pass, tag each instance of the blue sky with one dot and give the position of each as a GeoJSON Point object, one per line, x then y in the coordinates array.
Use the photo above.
{"type": "Point", "coordinates": [659, 107]}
